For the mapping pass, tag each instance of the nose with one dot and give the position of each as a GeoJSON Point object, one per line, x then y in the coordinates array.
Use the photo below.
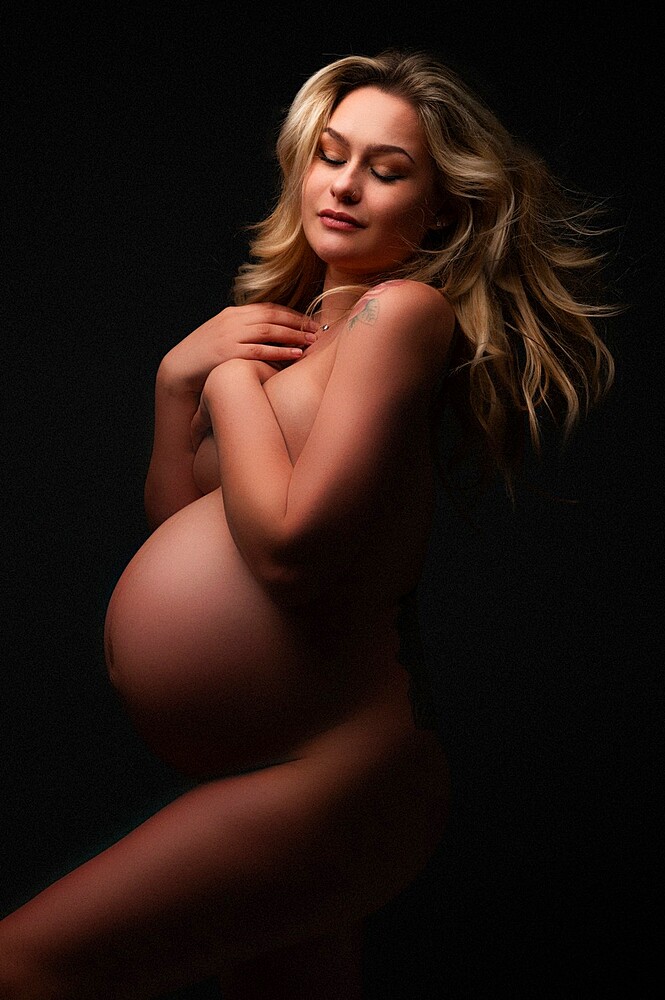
{"type": "Point", "coordinates": [346, 187]}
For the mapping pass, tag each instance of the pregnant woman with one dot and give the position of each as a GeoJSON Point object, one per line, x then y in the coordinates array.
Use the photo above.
{"type": "Point", "coordinates": [416, 254]}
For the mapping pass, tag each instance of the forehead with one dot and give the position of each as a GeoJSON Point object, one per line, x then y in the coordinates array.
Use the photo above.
{"type": "Point", "coordinates": [372, 117]}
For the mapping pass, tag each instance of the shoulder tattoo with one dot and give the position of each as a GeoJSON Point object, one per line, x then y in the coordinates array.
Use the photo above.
{"type": "Point", "coordinates": [367, 313]}
{"type": "Point", "coordinates": [367, 310]}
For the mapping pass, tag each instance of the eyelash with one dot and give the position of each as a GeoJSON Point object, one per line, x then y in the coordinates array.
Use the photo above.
{"type": "Point", "coordinates": [384, 178]}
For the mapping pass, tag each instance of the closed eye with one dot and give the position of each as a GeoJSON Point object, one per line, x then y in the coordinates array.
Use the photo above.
{"type": "Point", "coordinates": [329, 159]}
{"type": "Point", "coordinates": [385, 178]}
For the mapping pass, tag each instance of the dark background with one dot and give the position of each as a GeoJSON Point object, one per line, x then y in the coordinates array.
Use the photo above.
{"type": "Point", "coordinates": [138, 147]}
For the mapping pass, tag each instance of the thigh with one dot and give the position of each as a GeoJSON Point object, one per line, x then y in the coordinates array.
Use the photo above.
{"type": "Point", "coordinates": [240, 867]}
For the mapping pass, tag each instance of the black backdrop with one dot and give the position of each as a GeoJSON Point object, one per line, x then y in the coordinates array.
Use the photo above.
{"type": "Point", "coordinates": [140, 145]}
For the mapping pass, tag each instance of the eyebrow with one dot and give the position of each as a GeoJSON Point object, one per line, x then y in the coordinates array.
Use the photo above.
{"type": "Point", "coordinates": [381, 148]}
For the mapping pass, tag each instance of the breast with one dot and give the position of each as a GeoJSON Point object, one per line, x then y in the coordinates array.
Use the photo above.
{"type": "Point", "coordinates": [295, 395]}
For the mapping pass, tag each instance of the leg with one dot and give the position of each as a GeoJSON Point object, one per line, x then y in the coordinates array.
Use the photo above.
{"type": "Point", "coordinates": [237, 869]}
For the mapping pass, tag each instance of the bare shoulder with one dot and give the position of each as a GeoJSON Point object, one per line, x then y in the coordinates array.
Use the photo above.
{"type": "Point", "coordinates": [404, 309]}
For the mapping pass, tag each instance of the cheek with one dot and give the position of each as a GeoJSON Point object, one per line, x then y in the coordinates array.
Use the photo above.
{"type": "Point", "coordinates": [306, 190]}
{"type": "Point", "coordinates": [409, 223]}
{"type": "Point", "coordinates": [312, 185]}
{"type": "Point", "coordinates": [304, 193]}
{"type": "Point", "coordinates": [310, 199]}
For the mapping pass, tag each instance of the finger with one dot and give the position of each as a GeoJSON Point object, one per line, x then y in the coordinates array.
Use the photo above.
{"type": "Point", "coordinates": [275, 336]}
{"type": "Point", "coordinates": [271, 353]}
{"type": "Point", "coordinates": [271, 315]}
{"type": "Point", "coordinates": [278, 335]}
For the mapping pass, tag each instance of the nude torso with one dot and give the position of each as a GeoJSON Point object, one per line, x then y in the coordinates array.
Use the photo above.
{"type": "Point", "coordinates": [219, 678]}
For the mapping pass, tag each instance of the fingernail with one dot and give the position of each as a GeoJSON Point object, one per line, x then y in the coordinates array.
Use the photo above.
{"type": "Point", "coordinates": [296, 351]}
{"type": "Point", "coordinates": [311, 337]}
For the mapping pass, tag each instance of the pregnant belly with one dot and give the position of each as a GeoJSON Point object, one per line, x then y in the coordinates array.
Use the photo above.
{"type": "Point", "coordinates": [215, 676]}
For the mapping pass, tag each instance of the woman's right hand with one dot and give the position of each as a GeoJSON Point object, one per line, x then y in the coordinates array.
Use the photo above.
{"type": "Point", "coordinates": [261, 331]}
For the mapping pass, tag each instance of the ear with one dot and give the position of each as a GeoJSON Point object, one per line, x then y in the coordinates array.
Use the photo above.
{"type": "Point", "coordinates": [444, 214]}
{"type": "Point", "coordinates": [441, 217]}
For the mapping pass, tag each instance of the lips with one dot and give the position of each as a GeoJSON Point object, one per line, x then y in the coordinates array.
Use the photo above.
{"type": "Point", "coordinates": [339, 220]}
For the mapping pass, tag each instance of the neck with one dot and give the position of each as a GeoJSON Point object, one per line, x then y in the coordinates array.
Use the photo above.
{"type": "Point", "coordinates": [340, 298]}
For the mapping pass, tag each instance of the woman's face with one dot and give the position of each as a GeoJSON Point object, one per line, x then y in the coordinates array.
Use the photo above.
{"type": "Point", "coordinates": [369, 196]}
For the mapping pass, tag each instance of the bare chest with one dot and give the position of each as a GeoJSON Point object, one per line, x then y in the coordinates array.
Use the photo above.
{"type": "Point", "coordinates": [295, 395]}
{"type": "Point", "coordinates": [296, 392]}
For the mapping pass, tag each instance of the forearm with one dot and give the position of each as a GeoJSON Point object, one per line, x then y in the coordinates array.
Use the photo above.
{"type": "Point", "coordinates": [169, 482]}
{"type": "Point", "coordinates": [297, 525]}
{"type": "Point", "coordinates": [255, 468]}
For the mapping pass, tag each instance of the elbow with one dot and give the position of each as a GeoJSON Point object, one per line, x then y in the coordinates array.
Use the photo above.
{"type": "Point", "coordinates": [292, 570]}
{"type": "Point", "coordinates": [287, 584]}
{"type": "Point", "coordinates": [289, 578]}
{"type": "Point", "coordinates": [155, 513]}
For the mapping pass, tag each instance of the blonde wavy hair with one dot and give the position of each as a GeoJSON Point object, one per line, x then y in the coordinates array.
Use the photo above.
{"type": "Point", "coordinates": [514, 259]}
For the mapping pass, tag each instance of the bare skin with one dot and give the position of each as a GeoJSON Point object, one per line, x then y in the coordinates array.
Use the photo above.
{"type": "Point", "coordinates": [252, 640]}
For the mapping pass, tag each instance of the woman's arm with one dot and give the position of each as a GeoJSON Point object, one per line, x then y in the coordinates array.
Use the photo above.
{"type": "Point", "coordinates": [273, 334]}
{"type": "Point", "coordinates": [296, 524]}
